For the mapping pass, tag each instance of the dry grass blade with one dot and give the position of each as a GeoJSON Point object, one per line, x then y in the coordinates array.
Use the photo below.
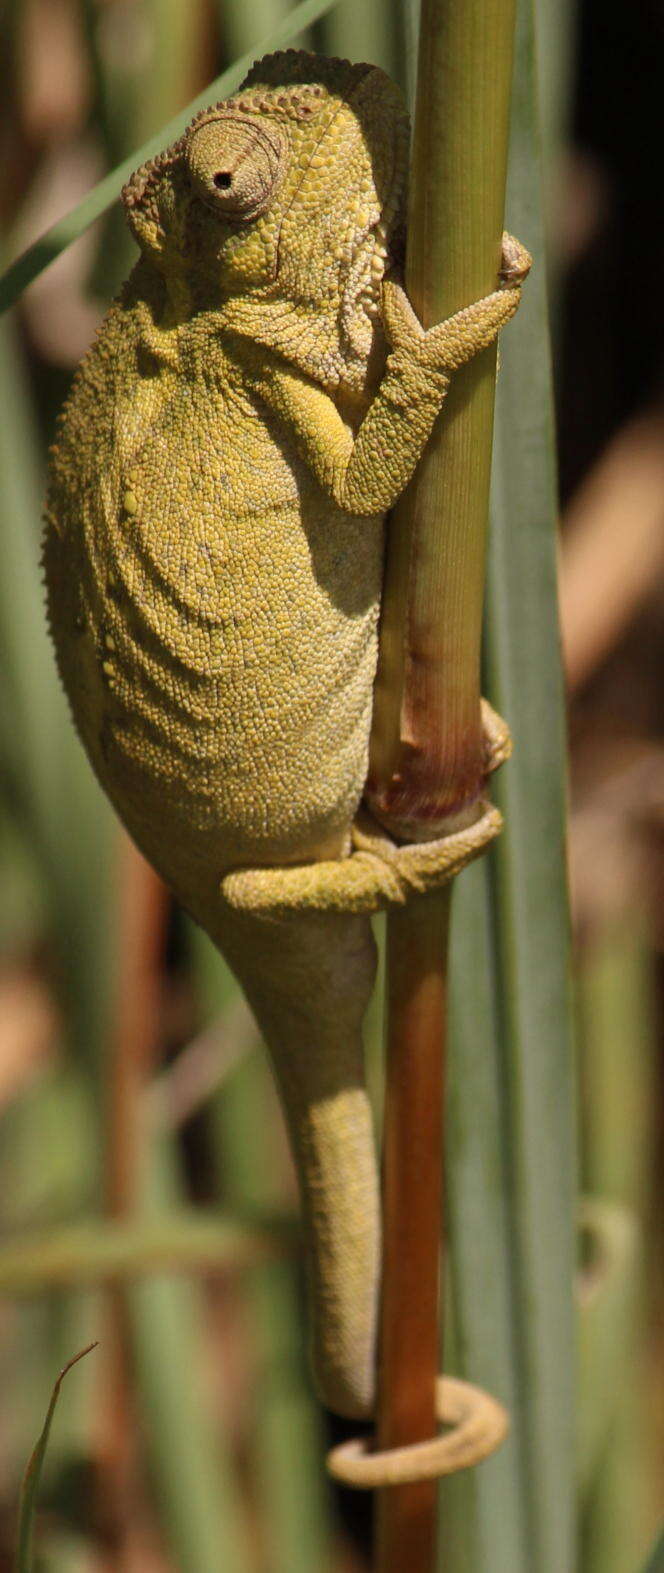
{"type": "Point", "coordinates": [31, 1479]}
{"type": "Point", "coordinates": [613, 545]}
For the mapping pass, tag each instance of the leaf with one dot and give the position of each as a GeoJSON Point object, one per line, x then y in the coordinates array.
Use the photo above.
{"type": "Point", "coordinates": [31, 1479]}
{"type": "Point", "coordinates": [67, 229]}
{"type": "Point", "coordinates": [655, 1563]}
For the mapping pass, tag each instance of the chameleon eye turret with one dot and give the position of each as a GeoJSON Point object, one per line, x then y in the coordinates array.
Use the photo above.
{"type": "Point", "coordinates": [235, 165]}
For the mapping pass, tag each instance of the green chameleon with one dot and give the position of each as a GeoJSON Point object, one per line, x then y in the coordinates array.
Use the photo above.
{"type": "Point", "coordinates": [256, 399]}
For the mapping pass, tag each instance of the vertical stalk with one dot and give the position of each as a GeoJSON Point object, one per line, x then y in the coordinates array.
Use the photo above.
{"type": "Point", "coordinates": [143, 903]}
{"type": "Point", "coordinates": [426, 758]}
{"type": "Point", "coordinates": [367, 32]}
{"type": "Point", "coordinates": [412, 1163]}
{"type": "Point", "coordinates": [141, 923]}
{"type": "Point", "coordinates": [510, 1129]}
{"type": "Point", "coordinates": [426, 765]}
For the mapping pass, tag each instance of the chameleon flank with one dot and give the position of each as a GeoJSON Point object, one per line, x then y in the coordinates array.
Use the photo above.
{"type": "Point", "coordinates": [256, 399]}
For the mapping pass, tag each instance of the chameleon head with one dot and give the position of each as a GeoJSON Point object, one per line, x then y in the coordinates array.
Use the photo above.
{"type": "Point", "coordinates": [293, 189]}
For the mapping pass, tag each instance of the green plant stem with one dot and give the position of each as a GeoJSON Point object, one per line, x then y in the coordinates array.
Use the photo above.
{"type": "Point", "coordinates": [426, 755]}
{"type": "Point", "coordinates": [656, 1560]}
{"type": "Point", "coordinates": [188, 1440]}
{"type": "Point", "coordinates": [112, 1250]}
{"type": "Point", "coordinates": [510, 1130]}
{"type": "Point", "coordinates": [426, 759]}
{"type": "Point", "coordinates": [363, 32]}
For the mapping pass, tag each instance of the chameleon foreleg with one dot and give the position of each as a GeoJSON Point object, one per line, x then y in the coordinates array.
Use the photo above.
{"type": "Point", "coordinates": [366, 474]}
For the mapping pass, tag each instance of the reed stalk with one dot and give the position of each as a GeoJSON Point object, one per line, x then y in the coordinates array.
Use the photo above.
{"type": "Point", "coordinates": [426, 760]}
{"type": "Point", "coordinates": [510, 1128]}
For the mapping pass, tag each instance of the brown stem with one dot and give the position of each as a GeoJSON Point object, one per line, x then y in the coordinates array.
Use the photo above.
{"type": "Point", "coordinates": [412, 1201]}
{"type": "Point", "coordinates": [426, 764]}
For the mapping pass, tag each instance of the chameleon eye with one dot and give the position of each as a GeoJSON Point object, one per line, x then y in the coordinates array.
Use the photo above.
{"type": "Point", "coordinates": [235, 165]}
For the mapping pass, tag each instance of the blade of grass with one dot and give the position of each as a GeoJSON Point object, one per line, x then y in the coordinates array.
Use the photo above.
{"type": "Point", "coordinates": [608, 1292]}
{"type": "Point", "coordinates": [158, 1330]}
{"type": "Point", "coordinates": [67, 822]}
{"type": "Point", "coordinates": [512, 1207]}
{"type": "Point", "coordinates": [60, 813]}
{"type": "Point", "coordinates": [106, 1251]}
{"type": "Point", "coordinates": [136, 90]}
{"type": "Point", "coordinates": [655, 1563]}
{"type": "Point", "coordinates": [617, 1480]}
{"type": "Point", "coordinates": [287, 1440]}
{"type": "Point", "coordinates": [426, 755]}
{"type": "Point", "coordinates": [286, 1436]}
{"type": "Point", "coordinates": [189, 1451]}
{"type": "Point", "coordinates": [61, 234]}
{"type": "Point", "coordinates": [242, 27]}
{"type": "Point", "coordinates": [485, 1510]}
{"type": "Point", "coordinates": [27, 1504]}
{"type": "Point", "coordinates": [370, 31]}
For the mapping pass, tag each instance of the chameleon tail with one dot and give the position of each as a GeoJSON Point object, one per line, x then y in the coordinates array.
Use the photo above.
{"type": "Point", "coordinates": [308, 979]}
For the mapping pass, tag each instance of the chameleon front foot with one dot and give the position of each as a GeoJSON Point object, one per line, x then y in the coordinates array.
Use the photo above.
{"type": "Point", "coordinates": [377, 874]}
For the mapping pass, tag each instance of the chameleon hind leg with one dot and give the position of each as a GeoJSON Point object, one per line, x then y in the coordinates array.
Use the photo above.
{"type": "Point", "coordinates": [377, 873]}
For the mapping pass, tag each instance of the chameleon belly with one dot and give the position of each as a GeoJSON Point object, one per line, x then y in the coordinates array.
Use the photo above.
{"type": "Point", "coordinates": [219, 663]}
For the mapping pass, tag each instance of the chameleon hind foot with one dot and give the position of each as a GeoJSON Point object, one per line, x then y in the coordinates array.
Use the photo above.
{"type": "Point", "coordinates": [377, 874]}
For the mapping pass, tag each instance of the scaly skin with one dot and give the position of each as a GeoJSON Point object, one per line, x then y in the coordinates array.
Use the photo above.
{"type": "Point", "coordinates": [255, 400]}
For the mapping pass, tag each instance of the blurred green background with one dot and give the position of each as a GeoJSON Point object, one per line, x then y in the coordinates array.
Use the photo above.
{"type": "Point", "coordinates": [140, 1140]}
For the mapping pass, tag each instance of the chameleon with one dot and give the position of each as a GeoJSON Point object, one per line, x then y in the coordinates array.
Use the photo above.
{"type": "Point", "coordinates": [254, 403]}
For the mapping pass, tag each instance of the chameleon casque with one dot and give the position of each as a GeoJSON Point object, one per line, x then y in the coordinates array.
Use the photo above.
{"type": "Point", "coordinates": [255, 400]}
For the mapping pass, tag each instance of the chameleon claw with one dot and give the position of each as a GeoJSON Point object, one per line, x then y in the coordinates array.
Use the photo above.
{"type": "Point", "coordinates": [515, 263]}
{"type": "Point", "coordinates": [497, 738]}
